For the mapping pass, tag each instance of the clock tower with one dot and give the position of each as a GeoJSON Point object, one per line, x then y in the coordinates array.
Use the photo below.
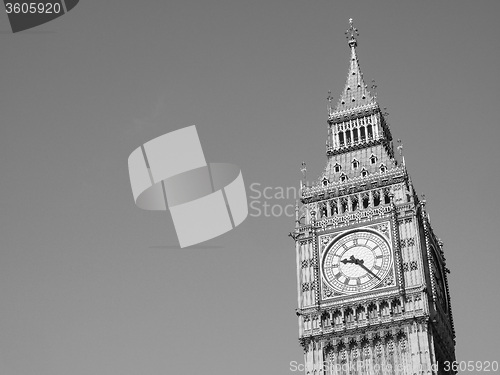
{"type": "Point", "coordinates": [372, 283]}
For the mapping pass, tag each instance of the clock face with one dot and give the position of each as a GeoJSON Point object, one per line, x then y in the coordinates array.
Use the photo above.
{"type": "Point", "coordinates": [356, 262]}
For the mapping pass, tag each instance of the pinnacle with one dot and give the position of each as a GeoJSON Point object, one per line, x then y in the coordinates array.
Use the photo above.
{"type": "Point", "coordinates": [355, 93]}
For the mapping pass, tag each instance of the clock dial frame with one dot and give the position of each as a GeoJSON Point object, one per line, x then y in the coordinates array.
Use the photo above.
{"type": "Point", "coordinates": [356, 261]}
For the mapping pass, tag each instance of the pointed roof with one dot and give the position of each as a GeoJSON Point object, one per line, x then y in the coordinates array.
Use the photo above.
{"type": "Point", "coordinates": [355, 93]}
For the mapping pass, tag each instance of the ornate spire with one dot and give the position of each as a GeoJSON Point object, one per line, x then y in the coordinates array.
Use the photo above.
{"type": "Point", "coordinates": [351, 34]}
{"type": "Point", "coordinates": [400, 149]}
{"type": "Point", "coordinates": [356, 93]}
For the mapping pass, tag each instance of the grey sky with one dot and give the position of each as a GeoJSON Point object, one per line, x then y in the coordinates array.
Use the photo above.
{"type": "Point", "coordinates": [90, 284]}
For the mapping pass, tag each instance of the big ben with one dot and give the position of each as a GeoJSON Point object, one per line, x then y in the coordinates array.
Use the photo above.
{"type": "Point", "coordinates": [373, 294]}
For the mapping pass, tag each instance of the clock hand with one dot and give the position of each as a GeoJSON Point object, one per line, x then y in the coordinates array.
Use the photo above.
{"type": "Point", "coordinates": [367, 270]}
{"type": "Point", "coordinates": [355, 260]}
{"type": "Point", "coordinates": [352, 260]}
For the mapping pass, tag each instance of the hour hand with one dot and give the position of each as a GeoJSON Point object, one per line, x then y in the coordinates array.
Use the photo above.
{"type": "Point", "coordinates": [345, 261]}
{"type": "Point", "coordinates": [352, 259]}
{"type": "Point", "coordinates": [356, 260]}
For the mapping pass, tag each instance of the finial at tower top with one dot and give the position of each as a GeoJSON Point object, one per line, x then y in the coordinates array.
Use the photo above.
{"type": "Point", "coordinates": [351, 34]}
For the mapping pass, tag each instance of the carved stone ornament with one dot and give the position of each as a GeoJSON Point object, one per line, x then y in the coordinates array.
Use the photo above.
{"type": "Point", "coordinates": [327, 291]}
{"type": "Point", "coordinates": [384, 228]}
{"type": "Point", "coordinates": [389, 280]}
{"type": "Point", "coordinates": [325, 240]}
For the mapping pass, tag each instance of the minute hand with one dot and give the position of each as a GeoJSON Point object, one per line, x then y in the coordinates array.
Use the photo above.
{"type": "Point", "coordinates": [366, 269]}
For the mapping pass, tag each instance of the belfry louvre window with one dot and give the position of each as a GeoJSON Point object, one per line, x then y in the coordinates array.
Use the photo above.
{"type": "Point", "coordinates": [355, 135]}
{"type": "Point", "coordinates": [370, 132]}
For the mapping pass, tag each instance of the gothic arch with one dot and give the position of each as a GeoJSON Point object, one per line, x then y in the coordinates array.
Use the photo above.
{"type": "Point", "coordinates": [369, 129]}
{"type": "Point", "coordinates": [362, 134]}
{"type": "Point", "coordinates": [355, 137]}
{"type": "Point", "coordinates": [372, 311]}
{"type": "Point", "coordinates": [376, 198]}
